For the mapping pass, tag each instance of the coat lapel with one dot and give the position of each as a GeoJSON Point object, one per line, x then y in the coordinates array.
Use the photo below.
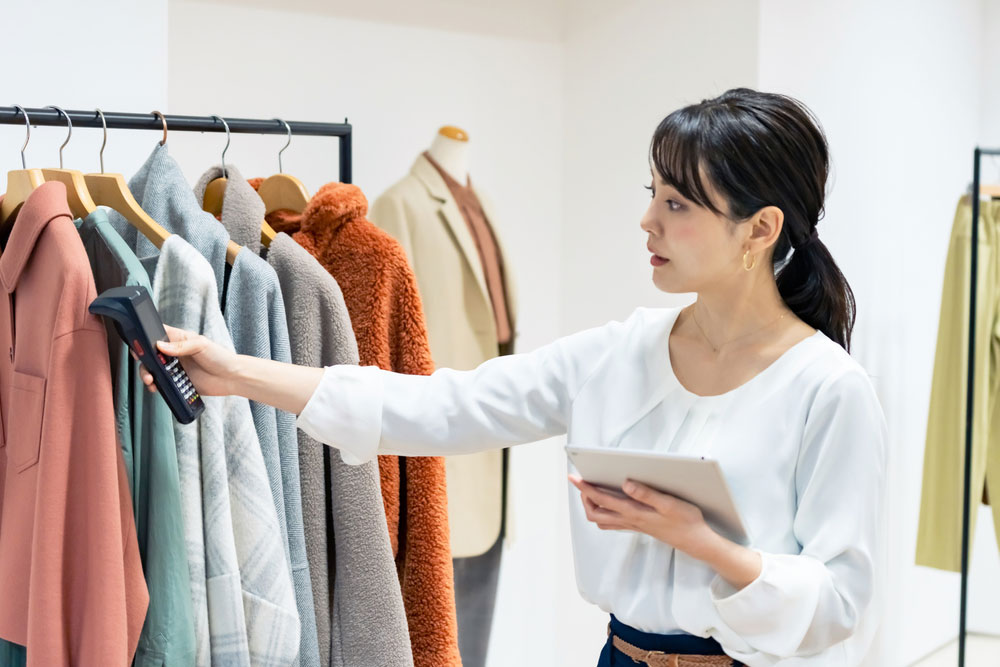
{"type": "Point", "coordinates": [452, 217]}
{"type": "Point", "coordinates": [510, 285]}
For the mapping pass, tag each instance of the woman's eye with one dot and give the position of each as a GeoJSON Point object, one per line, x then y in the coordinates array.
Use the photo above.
{"type": "Point", "coordinates": [674, 205]}
{"type": "Point", "coordinates": [652, 193]}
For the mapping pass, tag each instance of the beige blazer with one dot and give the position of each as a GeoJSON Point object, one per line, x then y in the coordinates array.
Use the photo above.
{"type": "Point", "coordinates": [421, 214]}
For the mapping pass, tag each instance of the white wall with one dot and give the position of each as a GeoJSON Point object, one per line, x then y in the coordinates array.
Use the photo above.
{"type": "Point", "coordinates": [990, 86]}
{"type": "Point", "coordinates": [530, 19]}
{"type": "Point", "coordinates": [897, 90]}
{"type": "Point", "coordinates": [628, 65]}
{"type": "Point", "coordinates": [46, 62]}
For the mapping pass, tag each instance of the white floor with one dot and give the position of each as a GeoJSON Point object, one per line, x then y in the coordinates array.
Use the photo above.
{"type": "Point", "coordinates": [980, 651]}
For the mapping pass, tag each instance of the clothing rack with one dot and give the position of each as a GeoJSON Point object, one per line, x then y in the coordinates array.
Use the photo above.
{"type": "Point", "coordinates": [149, 121]}
{"type": "Point", "coordinates": [978, 154]}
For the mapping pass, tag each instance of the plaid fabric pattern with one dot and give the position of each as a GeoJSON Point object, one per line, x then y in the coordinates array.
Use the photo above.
{"type": "Point", "coordinates": [237, 562]}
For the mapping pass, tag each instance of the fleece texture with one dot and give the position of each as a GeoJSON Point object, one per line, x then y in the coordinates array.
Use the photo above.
{"type": "Point", "coordinates": [381, 294]}
{"type": "Point", "coordinates": [362, 590]}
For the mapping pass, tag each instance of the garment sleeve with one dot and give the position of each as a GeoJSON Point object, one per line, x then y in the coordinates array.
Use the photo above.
{"type": "Point", "coordinates": [387, 212]}
{"type": "Point", "coordinates": [365, 411]}
{"type": "Point", "coordinates": [805, 603]}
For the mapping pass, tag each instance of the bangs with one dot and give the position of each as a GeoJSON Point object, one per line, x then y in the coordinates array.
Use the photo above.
{"type": "Point", "coordinates": [676, 154]}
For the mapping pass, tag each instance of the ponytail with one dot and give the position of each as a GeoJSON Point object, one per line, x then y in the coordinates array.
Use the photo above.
{"type": "Point", "coordinates": [812, 285]}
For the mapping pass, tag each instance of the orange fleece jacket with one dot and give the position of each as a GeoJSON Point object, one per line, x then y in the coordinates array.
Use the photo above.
{"type": "Point", "coordinates": [381, 294]}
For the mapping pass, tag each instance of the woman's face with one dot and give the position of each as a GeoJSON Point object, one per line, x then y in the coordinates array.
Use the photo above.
{"type": "Point", "coordinates": [692, 248]}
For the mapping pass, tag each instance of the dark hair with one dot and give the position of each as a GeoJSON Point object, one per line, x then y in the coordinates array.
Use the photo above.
{"type": "Point", "coordinates": [763, 149]}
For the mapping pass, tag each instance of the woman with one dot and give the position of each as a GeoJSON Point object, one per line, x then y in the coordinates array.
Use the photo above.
{"type": "Point", "coordinates": [756, 374]}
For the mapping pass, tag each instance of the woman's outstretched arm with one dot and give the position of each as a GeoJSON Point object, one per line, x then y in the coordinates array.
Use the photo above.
{"type": "Point", "coordinates": [365, 411]}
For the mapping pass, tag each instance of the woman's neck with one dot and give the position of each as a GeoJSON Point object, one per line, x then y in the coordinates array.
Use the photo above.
{"type": "Point", "coordinates": [729, 316]}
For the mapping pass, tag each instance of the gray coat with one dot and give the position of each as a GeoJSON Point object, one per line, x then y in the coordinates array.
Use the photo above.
{"type": "Point", "coordinates": [255, 315]}
{"type": "Point", "coordinates": [366, 593]}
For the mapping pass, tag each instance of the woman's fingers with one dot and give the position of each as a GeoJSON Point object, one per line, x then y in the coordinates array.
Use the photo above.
{"type": "Point", "coordinates": [173, 333]}
{"type": "Point", "coordinates": [147, 379]}
{"type": "Point", "coordinates": [607, 499]}
{"type": "Point", "coordinates": [181, 344]}
{"type": "Point", "coordinates": [649, 496]}
{"type": "Point", "coordinates": [604, 518]}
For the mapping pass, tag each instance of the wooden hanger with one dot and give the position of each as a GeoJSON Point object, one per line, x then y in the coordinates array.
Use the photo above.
{"type": "Point", "coordinates": [283, 191]}
{"type": "Point", "coordinates": [267, 234]}
{"type": "Point", "coordinates": [81, 204]}
{"type": "Point", "coordinates": [112, 191]}
{"type": "Point", "coordinates": [20, 182]}
{"type": "Point", "coordinates": [215, 194]}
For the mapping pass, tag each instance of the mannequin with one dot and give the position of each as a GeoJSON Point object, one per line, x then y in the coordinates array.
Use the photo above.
{"type": "Point", "coordinates": [450, 149]}
{"type": "Point", "coordinates": [449, 234]}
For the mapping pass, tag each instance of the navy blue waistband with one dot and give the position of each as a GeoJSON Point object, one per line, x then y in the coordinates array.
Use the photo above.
{"type": "Point", "coordinates": [680, 644]}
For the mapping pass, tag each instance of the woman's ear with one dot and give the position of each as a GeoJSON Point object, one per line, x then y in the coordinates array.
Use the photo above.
{"type": "Point", "coordinates": [766, 226]}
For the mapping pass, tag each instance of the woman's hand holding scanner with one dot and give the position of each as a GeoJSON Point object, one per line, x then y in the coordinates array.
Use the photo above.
{"type": "Point", "coordinates": [671, 520]}
{"type": "Point", "coordinates": [217, 371]}
{"type": "Point", "coordinates": [210, 366]}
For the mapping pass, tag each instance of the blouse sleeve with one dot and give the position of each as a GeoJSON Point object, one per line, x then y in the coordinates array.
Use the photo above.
{"type": "Point", "coordinates": [805, 603]}
{"type": "Point", "coordinates": [365, 411]}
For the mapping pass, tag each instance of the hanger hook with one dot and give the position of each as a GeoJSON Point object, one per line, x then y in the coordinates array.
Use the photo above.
{"type": "Point", "coordinates": [225, 125]}
{"type": "Point", "coordinates": [27, 137]}
{"type": "Point", "coordinates": [287, 144]}
{"type": "Point", "coordinates": [104, 143]}
{"type": "Point", "coordinates": [68, 136]}
{"type": "Point", "coordinates": [163, 119]}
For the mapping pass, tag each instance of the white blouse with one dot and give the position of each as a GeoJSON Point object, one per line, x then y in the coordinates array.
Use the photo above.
{"type": "Point", "coordinates": [802, 445]}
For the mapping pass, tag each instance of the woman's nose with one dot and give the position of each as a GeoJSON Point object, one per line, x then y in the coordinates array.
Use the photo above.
{"type": "Point", "coordinates": [648, 223]}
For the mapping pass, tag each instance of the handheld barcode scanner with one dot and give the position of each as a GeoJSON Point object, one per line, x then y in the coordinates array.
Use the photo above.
{"type": "Point", "coordinates": [140, 326]}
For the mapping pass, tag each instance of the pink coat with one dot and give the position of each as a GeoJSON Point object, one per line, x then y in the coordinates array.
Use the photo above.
{"type": "Point", "coordinates": [72, 585]}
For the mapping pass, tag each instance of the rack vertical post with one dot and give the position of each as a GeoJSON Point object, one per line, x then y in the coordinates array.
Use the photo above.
{"type": "Point", "coordinates": [977, 154]}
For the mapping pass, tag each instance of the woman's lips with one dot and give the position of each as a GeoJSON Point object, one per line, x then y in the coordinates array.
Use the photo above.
{"type": "Point", "coordinates": [656, 260]}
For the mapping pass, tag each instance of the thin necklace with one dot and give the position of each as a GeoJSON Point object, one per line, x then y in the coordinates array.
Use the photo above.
{"type": "Point", "coordinates": [714, 347]}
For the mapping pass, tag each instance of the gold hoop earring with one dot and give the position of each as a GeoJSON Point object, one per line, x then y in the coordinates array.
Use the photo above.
{"type": "Point", "coordinates": [753, 261]}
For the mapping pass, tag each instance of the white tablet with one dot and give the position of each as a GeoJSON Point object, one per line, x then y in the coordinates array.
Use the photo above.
{"type": "Point", "coordinates": [697, 480]}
